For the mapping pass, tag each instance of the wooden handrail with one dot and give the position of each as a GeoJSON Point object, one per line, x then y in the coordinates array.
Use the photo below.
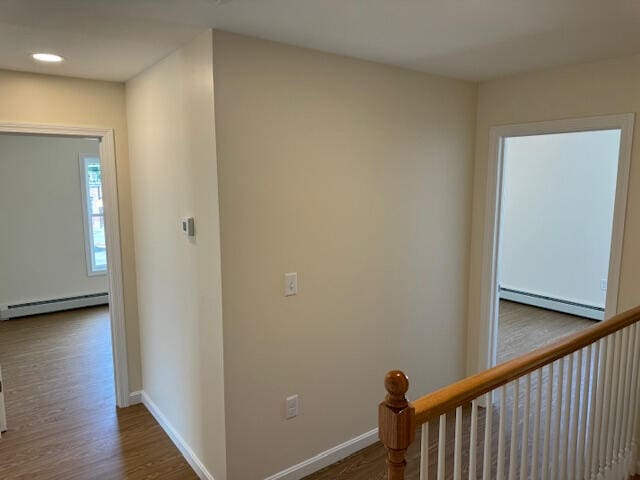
{"type": "Point", "coordinates": [399, 418]}
{"type": "Point", "coordinates": [461, 393]}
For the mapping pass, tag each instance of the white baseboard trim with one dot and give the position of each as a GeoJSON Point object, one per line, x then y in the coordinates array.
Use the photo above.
{"type": "Point", "coordinates": [176, 438]}
{"type": "Point", "coordinates": [135, 397]}
{"type": "Point", "coordinates": [558, 305]}
{"type": "Point", "coordinates": [328, 457]}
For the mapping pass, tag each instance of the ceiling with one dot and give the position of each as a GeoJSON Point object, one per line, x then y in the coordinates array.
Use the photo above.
{"type": "Point", "coordinates": [470, 39]}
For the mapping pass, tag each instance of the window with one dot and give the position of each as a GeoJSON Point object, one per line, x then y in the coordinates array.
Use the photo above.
{"type": "Point", "coordinates": [95, 244]}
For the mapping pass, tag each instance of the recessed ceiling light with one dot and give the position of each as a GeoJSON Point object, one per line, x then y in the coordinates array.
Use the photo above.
{"type": "Point", "coordinates": [47, 57]}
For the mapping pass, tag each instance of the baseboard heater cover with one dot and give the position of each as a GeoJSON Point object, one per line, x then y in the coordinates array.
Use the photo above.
{"type": "Point", "coordinates": [550, 303]}
{"type": "Point", "coordinates": [54, 305]}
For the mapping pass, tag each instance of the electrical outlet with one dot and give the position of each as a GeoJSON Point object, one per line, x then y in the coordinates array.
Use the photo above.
{"type": "Point", "coordinates": [291, 407]}
{"type": "Point", "coordinates": [603, 284]}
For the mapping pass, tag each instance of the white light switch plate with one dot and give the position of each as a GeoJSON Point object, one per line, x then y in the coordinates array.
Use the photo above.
{"type": "Point", "coordinates": [292, 407]}
{"type": "Point", "coordinates": [290, 284]}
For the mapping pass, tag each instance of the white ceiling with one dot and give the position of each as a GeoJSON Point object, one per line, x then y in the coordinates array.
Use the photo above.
{"type": "Point", "coordinates": [472, 39]}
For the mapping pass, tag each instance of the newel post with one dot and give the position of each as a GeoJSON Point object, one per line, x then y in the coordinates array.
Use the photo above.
{"type": "Point", "coordinates": [395, 423]}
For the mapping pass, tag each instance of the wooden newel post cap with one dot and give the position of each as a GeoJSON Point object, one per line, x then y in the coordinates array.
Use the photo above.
{"type": "Point", "coordinates": [395, 414]}
{"type": "Point", "coordinates": [396, 428]}
{"type": "Point", "coordinates": [397, 385]}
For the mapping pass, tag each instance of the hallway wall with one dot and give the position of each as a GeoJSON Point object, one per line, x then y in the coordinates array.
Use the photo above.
{"type": "Point", "coordinates": [170, 110]}
{"type": "Point", "coordinates": [357, 176]}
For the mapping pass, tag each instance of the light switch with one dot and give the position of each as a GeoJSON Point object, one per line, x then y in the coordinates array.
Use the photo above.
{"type": "Point", "coordinates": [290, 284]}
{"type": "Point", "coordinates": [292, 407]}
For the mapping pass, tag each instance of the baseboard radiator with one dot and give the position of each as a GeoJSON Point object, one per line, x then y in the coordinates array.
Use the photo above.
{"type": "Point", "coordinates": [53, 305]}
{"type": "Point", "coordinates": [550, 303]}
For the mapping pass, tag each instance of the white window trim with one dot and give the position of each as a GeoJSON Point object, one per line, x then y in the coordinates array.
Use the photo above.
{"type": "Point", "coordinates": [88, 241]}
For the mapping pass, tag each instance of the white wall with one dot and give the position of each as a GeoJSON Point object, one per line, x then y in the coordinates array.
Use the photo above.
{"type": "Point", "coordinates": [170, 112]}
{"type": "Point", "coordinates": [357, 176]}
{"type": "Point", "coordinates": [42, 248]}
{"type": "Point", "coordinates": [559, 193]}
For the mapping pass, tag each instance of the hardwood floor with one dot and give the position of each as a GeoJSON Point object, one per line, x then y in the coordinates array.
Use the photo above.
{"type": "Point", "coordinates": [63, 423]}
{"type": "Point", "coordinates": [62, 419]}
{"type": "Point", "coordinates": [522, 329]}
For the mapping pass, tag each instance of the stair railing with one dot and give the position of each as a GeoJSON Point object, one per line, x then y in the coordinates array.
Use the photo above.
{"type": "Point", "coordinates": [565, 411]}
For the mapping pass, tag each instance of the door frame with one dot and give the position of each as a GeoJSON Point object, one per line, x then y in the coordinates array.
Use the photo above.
{"type": "Point", "coordinates": [106, 138]}
{"type": "Point", "coordinates": [492, 228]}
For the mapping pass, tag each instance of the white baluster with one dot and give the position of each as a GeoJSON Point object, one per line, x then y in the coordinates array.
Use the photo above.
{"type": "Point", "coordinates": [604, 423]}
{"type": "Point", "coordinates": [473, 440]}
{"type": "Point", "coordinates": [626, 448]}
{"type": "Point", "coordinates": [636, 387]}
{"type": "Point", "coordinates": [584, 413]}
{"type": "Point", "coordinates": [535, 460]}
{"type": "Point", "coordinates": [575, 417]}
{"type": "Point", "coordinates": [513, 448]}
{"type": "Point", "coordinates": [488, 426]}
{"type": "Point", "coordinates": [618, 444]}
{"type": "Point", "coordinates": [424, 457]}
{"type": "Point", "coordinates": [442, 438]}
{"type": "Point", "coordinates": [503, 414]}
{"type": "Point", "coordinates": [524, 456]}
{"type": "Point", "coordinates": [595, 413]}
{"type": "Point", "coordinates": [613, 402]}
{"type": "Point", "coordinates": [457, 455]}
{"type": "Point", "coordinates": [566, 417]}
{"type": "Point", "coordinates": [547, 425]}
{"type": "Point", "coordinates": [631, 430]}
{"type": "Point", "coordinates": [555, 458]}
{"type": "Point", "coordinates": [619, 405]}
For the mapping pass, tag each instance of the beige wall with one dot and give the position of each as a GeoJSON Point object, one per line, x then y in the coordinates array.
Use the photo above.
{"type": "Point", "coordinates": [42, 253]}
{"type": "Point", "coordinates": [357, 176]}
{"type": "Point", "coordinates": [31, 98]}
{"type": "Point", "coordinates": [584, 90]}
{"type": "Point", "coordinates": [174, 174]}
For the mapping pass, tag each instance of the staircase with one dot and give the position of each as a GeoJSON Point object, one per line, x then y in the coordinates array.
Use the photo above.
{"type": "Point", "coordinates": [567, 411]}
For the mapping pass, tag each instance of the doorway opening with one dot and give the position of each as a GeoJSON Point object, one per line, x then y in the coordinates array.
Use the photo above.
{"type": "Point", "coordinates": [556, 205]}
{"type": "Point", "coordinates": [55, 336]}
{"type": "Point", "coordinates": [61, 295]}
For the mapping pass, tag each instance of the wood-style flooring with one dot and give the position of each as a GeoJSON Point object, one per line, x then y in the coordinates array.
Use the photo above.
{"type": "Point", "coordinates": [522, 329]}
{"type": "Point", "coordinates": [63, 424]}
{"type": "Point", "coordinates": [61, 414]}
